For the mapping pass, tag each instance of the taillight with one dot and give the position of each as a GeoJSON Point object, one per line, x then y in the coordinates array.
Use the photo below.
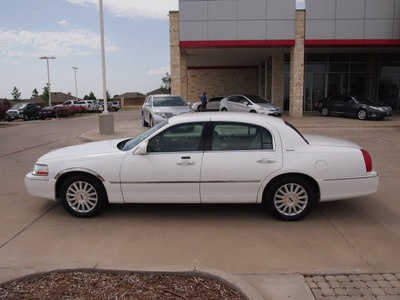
{"type": "Point", "coordinates": [367, 160]}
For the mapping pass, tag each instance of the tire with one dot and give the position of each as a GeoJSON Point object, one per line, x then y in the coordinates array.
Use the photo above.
{"type": "Point", "coordinates": [253, 112]}
{"type": "Point", "coordinates": [27, 117]}
{"type": "Point", "coordinates": [325, 111]}
{"type": "Point", "coordinates": [144, 123]}
{"type": "Point", "coordinates": [290, 198]}
{"type": "Point", "coordinates": [224, 109]}
{"type": "Point", "coordinates": [83, 196]}
{"type": "Point", "coordinates": [362, 114]}
{"type": "Point", "coordinates": [199, 108]}
{"type": "Point", "coordinates": [9, 120]}
{"type": "Point", "coordinates": [151, 122]}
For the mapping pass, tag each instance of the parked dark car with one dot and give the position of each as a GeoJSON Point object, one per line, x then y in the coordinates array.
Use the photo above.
{"type": "Point", "coordinates": [353, 105]}
{"type": "Point", "coordinates": [48, 112]}
{"type": "Point", "coordinates": [25, 111]}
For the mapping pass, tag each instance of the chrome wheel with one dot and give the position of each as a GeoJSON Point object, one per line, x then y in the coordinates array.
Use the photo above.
{"type": "Point", "coordinates": [362, 114]}
{"type": "Point", "coordinates": [325, 111]}
{"type": "Point", "coordinates": [83, 195]}
{"type": "Point", "coordinates": [291, 199]}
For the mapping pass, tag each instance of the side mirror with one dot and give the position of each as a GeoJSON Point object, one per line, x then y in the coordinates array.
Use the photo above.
{"type": "Point", "coordinates": [147, 104]}
{"type": "Point", "coordinates": [142, 149]}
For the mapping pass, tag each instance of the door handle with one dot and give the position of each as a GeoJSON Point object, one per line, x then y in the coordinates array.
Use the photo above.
{"type": "Point", "coordinates": [266, 160]}
{"type": "Point", "coordinates": [185, 162]}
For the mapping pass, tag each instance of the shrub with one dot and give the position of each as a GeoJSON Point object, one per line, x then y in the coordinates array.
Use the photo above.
{"type": "Point", "coordinates": [70, 110]}
{"type": "Point", "coordinates": [3, 109]}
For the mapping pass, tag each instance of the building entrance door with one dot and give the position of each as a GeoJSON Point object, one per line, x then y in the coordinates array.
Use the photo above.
{"type": "Point", "coordinates": [318, 89]}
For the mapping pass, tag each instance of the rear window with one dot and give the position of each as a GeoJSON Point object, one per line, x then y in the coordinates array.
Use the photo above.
{"type": "Point", "coordinates": [297, 131]}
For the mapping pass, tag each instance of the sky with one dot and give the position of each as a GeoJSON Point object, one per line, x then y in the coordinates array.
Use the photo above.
{"type": "Point", "coordinates": [136, 38]}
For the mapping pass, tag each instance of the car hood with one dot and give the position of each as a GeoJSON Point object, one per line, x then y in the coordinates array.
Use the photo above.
{"type": "Point", "coordinates": [95, 149]}
{"type": "Point", "coordinates": [320, 140]}
{"type": "Point", "coordinates": [268, 106]}
{"type": "Point", "coordinates": [176, 110]}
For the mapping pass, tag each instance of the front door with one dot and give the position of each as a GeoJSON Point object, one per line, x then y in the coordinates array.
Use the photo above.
{"type": "Point", "coordinates": [169, 172]}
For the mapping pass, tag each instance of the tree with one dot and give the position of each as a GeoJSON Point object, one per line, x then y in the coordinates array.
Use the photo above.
{"type": "Point", "coordinates": [45, 95]}
{"type": "Point", "coordinates": [166, 86]}
{"type": "Point", "coordinates": [16, 94]}
{"type": "Point", "coordinates": [35, 93]}
{"type": "Point", "coordinates": [91, 96]}
{"type": "Point", "coordinates": [108, 95]}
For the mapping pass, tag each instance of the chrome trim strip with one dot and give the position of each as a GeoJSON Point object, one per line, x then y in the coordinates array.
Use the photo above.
{"type": "Point", "coordinates": [175, 182]}
{"type": "Point", "coordinates": [351, 178]}
{"type": "Point", "coordinates": [79, 170]}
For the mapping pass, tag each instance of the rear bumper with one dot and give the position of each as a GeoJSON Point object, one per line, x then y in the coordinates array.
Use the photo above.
{"type": "Point", "coordinates": [345, 188]}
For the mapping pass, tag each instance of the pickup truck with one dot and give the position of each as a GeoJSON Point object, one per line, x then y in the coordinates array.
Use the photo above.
{"type": "Point", "coordinates": [24, 111]}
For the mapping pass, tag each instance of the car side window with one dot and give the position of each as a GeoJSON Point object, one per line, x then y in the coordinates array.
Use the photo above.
{"type": "Point", "coordinates": [233, 99]}
{"type": "Point", "coordinates": [238, 136]}
{"type": "Point", "coordinates": [178, 138]}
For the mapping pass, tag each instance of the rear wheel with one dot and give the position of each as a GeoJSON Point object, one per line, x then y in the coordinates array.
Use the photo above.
{"type": "Point", "coordinates": [151, 122]}
{"type": "Point", "coordinates": [290, 198]}
{"type": "Point", "coordinates": [224, 109]}
{"type": "Point", "coordinates": [362, 114]}
{"type": "Point", "coordinates": [325, 111]}
{"type": "Point", "coordinates": [83, 196]}
{"type": "Point", "coordinates": [200, 108]}
{"type": "Point", "coordinates": [27, 117]}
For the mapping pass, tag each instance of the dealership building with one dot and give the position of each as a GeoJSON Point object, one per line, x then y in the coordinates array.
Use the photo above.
{"type": "Point", "coordinates": [291, 56]}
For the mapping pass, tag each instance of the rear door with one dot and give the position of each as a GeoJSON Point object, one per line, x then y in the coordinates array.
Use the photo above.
{"type": "Point", "coordinates": [240, 156]}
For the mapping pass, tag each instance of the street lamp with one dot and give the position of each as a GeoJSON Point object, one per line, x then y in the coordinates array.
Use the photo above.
{"type": "Point", "coordinates": [76, 86]}
{"type": "Point", "coordinates": [48, 74]}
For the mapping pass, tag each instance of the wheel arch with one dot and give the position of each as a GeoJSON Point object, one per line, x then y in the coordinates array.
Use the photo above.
{"type": "Point", "coordinates": [306, 177]}
{"type": "Point", "coordinates": [64, 175]}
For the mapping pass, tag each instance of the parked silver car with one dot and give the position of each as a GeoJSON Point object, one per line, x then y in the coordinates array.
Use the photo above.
{"type": "Point", "coordinates": [249, 103]}
{"type": "Point", "coordinates": [157, 108]}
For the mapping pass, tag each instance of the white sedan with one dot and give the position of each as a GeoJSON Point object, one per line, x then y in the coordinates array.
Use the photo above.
{"type": "Point", "coordinates": [207, 158]}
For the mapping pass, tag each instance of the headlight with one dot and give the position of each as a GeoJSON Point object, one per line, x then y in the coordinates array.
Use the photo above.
{"type": "Point", "coordinates": [377, 108]}
{"type": "Point", "coordinates": [160, 113]}
{"type": "Point", "coordinates": [40, 170]}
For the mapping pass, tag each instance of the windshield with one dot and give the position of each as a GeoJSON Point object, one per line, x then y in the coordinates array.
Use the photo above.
{"type": "Point", "coordinates": [363, 99]}
{"type": "Point", "coordinates": [19, 106]}
{"type": "Point", "coordinates": [129, 144]}
{"type": "Point", "coordinates": [169, 101]}
{"type": "Point", "coordinates": [257, 99]}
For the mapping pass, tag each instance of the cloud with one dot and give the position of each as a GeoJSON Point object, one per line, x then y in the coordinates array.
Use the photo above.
{"type": "Point", "coordinates": [159, 71]}
{"type": "Point", "coordinates": [149, 9]}
{"type": "Point", "coordinates": [300, 4]}
{"type": "Point", "coordinates": [32, 44]}
{"type": "Point", "coordinates": [63, 23]}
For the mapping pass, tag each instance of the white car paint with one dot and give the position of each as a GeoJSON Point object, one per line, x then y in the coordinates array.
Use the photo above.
{"type": "Point", "coordinates": [336, 169]}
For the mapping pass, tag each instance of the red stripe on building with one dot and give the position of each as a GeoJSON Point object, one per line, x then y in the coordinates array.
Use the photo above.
{"type": "Point", "coordinates": [381, 42]}
{"type": "Point", "coordinates": [221, 67]}
{"type": "Point", "coordinates": [237, 44]}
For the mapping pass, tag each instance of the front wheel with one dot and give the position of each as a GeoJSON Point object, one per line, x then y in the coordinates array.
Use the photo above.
{"type": "Point", "coordinates": [200, 108]}
{"type": "Point", "coordinates": [144, 122]}
{"type": "Point", "coordinates": [27, 117]}
{"type": "Point", "coordinates": [325, 112]}
{"type": "Point", "coordinates": [290, 198]}
{"type": "Point", "coordinates": [362, 114]}
{"type": "Point", "coordinates": [83, 196]}
{"type": "Point", "coordinates": [224, 109]}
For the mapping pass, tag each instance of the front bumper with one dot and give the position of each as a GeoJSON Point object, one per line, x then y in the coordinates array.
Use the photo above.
{"type": "Point", "coordinates": [40, 187]}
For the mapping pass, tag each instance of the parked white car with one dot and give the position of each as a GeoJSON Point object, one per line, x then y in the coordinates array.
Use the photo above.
{"type": "Point", "coordinates": [207, 158]}
{"type": "Point", "coordinates": [212, 104]}
{"type": "Point", "coordinates": [250, 103]}
{"type": "Point", "coordinates": [157, 108]}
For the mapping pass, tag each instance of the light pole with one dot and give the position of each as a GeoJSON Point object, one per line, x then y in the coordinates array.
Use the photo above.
{"type": "Point", "coordinates": [76, 86]}
{"type": "Point", "coordinates": [106, 120]}
{"type": "Point", "coordinates": [48, 74]}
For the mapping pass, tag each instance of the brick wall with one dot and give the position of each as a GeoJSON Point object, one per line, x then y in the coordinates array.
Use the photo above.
{"type": "Point", "coordinates": [221, 82]}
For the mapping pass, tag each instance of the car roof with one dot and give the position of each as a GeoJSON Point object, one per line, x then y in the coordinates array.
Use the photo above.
{"type": "Point", "coordinates": [227, 117]}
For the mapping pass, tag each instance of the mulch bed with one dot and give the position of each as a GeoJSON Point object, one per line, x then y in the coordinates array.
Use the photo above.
{"type": "Point", "coordinates": [116, 285]}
